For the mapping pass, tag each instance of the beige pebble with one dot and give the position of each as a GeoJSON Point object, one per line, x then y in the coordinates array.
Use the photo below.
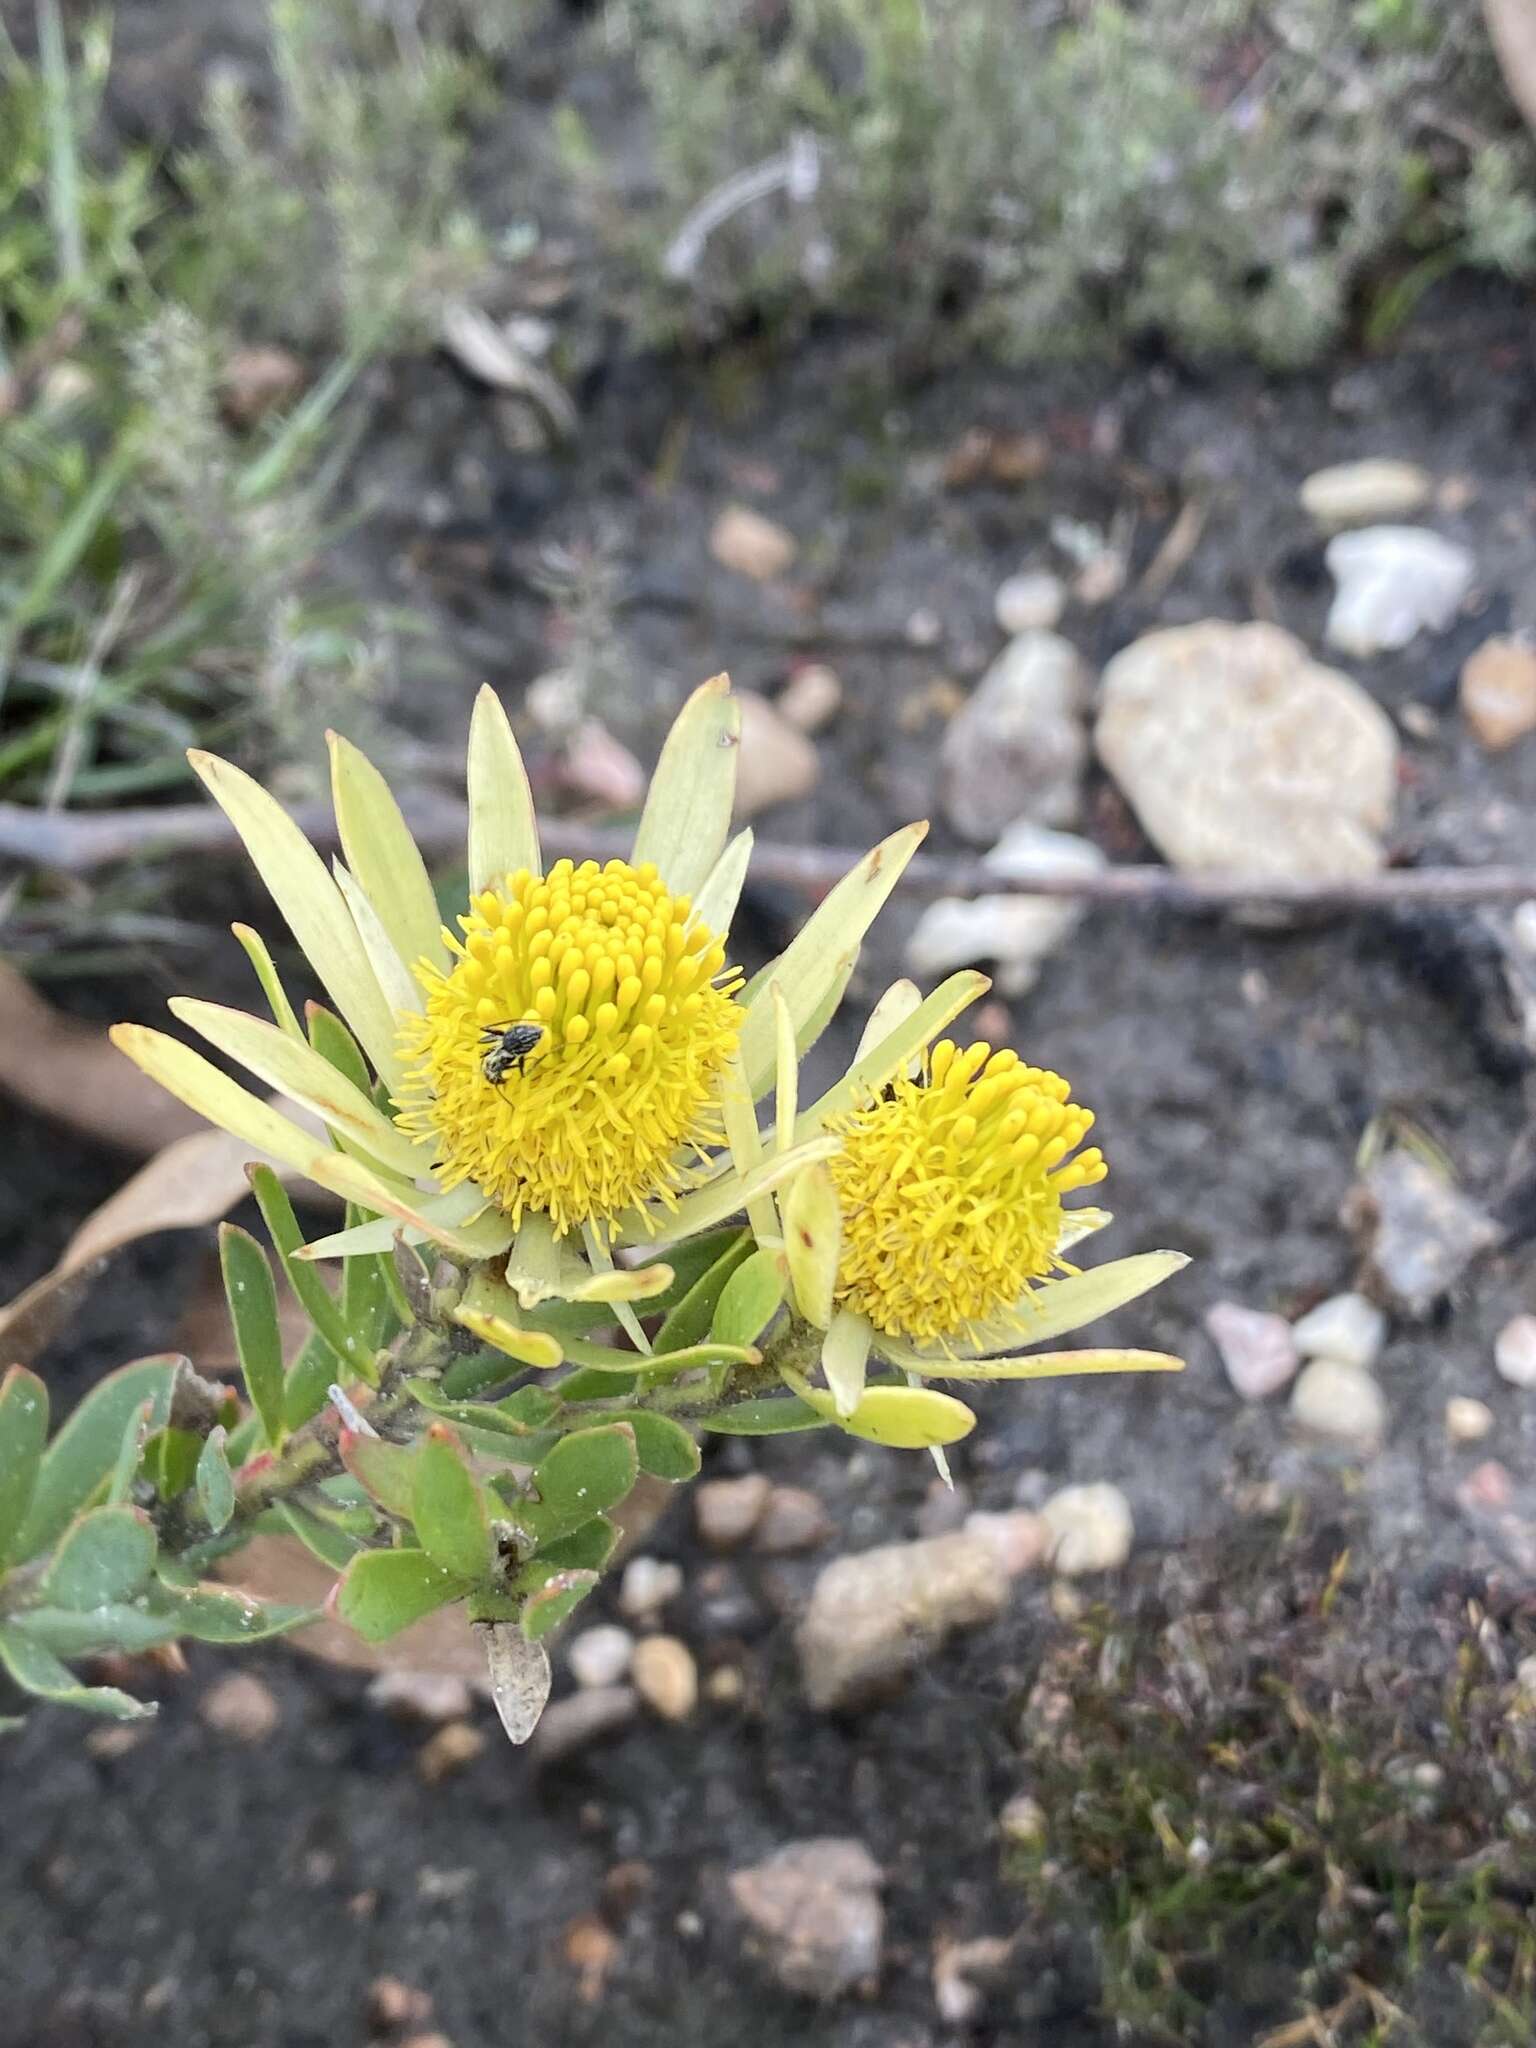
{"type": "Point", "coordinates": [794, 1519]}
{"type": "Point", "coordinates": [1089, 1529]}
{"type": "Point", "coordinates": [1022, 1820]}
{"type": "Point", "coordinates": [776, 763]}
{"type": "Point", "coordinates": [394, 2003]}
{"type": "Point", "coordinates": [812, 697]}
{"type": "Point", "coordinates": [1355, 493]}
{"type": "Point", "coordinates": [666, 1677]}
{"type": "Point", "coordinates": [241, 1706]}
{"type": "Point", "coordinates": [449, 1750]}
{"type": "Point", "coordinates": [753, 546]}
{"type": "Point", "coordinates": [1467, 1421]}
{"type": "Point", "coordinates": [1514, 1352]}
{"type": "Point", "coordinates": [728, 1510]}
{"type": "Point", "coordinates": [1498, 692]}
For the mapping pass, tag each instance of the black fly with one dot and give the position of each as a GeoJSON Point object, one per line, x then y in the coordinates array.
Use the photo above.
{"type": "Point", "coordinates": [507, 1047]}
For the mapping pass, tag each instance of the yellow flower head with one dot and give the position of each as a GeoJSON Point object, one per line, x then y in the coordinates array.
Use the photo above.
{"type": "Point", "coordinates": [951, 1190]}
{"type": "Point", "coordinates": [629, 1027]}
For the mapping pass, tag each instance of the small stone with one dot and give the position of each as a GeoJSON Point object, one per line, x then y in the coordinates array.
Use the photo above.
{"type": "Point", "coordinates": [241, 1706]}
{"type": "Point", "coordinates": [725, 1686]}
{"type": "Point", "coordinates": [1525, 1675]}
{"type": "Point", "coordinates": [753, 546]}
{"type": "Point", "coordinates": [814, 1915]}
{"type": "Point", "coordinates": [1016, 933]}
{"type": "Point", "coordinates": [1019, 747]}
{"type": "Point", "coordinates": [1022, 1821]}
{"type": "Point", "coordinates": [963, 1971]}
{"type": "Point", "coordinates": [422, 1695]}
{"type": "Point", "coordinates": [776, 764]}
{"type": "Point", "coordinates": [1467, 1421]}
{"type": "Point", "coordinates": [1355, 493]}
{"type": "Point", "coordinates": [257, 380]}
{"type": "Point", "coordinates": [666, 1677]}
{"type": "Point", "coordinates": [794, 1519]}
{"type": "Point", "coordinates": [1030, 602]}
{"type": "Point", "coordinates": [1021, 1539]}
{"type": "Point", "coordinates": [1340, 1402]}
{"type": "Point", "coordinates": [1090, 1529]}
{"type": "Point", "coordinates": [727, 1510]}
{"type": "Point", "coordinates": [449, 1750]}
{"type": "Point", "coordinates": [1486, 1490]}
{"type": "Point", "coordinates": [1514, 1352]}
{"type": "Point", "coordinates": [924, 628]}
{"type": "Point", "coordinates": [875, 1615]}
{"type": "Point", "coordinates": [115, 1740]}
{"type": "Point", "coordinates": [433, 2040]}
{"type": "Point", "coordinates": [1241, 755]}
{"type": "Point", "coordinates": [1257, 1350]}
{"type": "Point", "coordinates": [580, 1719]}
{"type": "Point", "coordinates": [1419, 1231]}
{"type": "Point", "coordinates": [1498, 692]}
{"type": "Point", "coordinates": [1347, 1327]}
{"type": "Point", "coordinates": [601, 769]}
{"type": "Point", "coordinates": [394, 2003]}
{"type": "Point", "coordinates": [1392, 582]}
{"type": "Point", "coordinates": [600, 1655]}
{"type": "Point", "coordinates": [646, 1587]}
{"type": "Point", "coordinates": [812, 697]}
{"type": "Point", "coordinates": [591, 1948]}
{"type": "Point", "coordinates": [555, 701]}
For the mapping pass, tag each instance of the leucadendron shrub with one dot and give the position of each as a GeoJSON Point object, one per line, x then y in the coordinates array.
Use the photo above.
{"type": "Point", "coordinates": [571, 1246]}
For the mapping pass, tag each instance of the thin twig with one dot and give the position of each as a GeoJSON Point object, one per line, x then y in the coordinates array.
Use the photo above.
{"type": "Point", "coordinates": [79, 844]}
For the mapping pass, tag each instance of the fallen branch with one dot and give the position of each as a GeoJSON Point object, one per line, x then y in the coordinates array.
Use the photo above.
{"type": "Point", "coordinates": [81, 843]}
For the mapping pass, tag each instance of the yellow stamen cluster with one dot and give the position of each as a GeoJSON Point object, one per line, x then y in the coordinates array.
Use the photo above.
{"type": "Point", "coordinates": [951, 1190]}
{"type": "Point", "coordinates": [635, 1035]}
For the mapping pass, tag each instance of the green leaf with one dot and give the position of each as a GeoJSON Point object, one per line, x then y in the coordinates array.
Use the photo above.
{"type": "Point", "coordinates": [23, 1432]}
{"type": "Point", "coordinates": [215, 1482]}
{"type": "Point", "coordinates": [821, 954]}
{"type": "Point", "coordinates": [1058, 1306]}
{"type": "Point", "coordinates": [310, 1378]}
{"type": "Point", "coordinates": [514, 1417]}
{"type": "Point", "coordinates": [879, 1060]}
{"type": "Point", "coordinates": [321, 1538]}
{"type": "Point", "coordinates": [105, 1556]}
{"type": "Point", "coordinates": [311, 1292]}
{"type": "Point", "coordinates": [1034, 1365]}
{"type": "Point", "coordinates": [688, 1321]}
{"type": "Point", "coordinates": [38, 1671]}
{"type": "Point", "coordinates": [335, 1044]}
{"type": "Point", "coordinates": [384, 1591]}
{"type": "Point", "coordinates": [716, 898]}
{"type": "Point", "coordinates": [385, 1471]}
{"type": "Point", "coordinates": [130, 1454]}
{"type": "Point", "coordinates": [85, 1449]}
{"type": "Point", "coordinates": [554, 1600]}
{"type": "Point", "coordinates": [688, 808]}
{"type": "Point", "coordinates": [587, 1548]}
{"type": "Point", "coordinates": [659, 1365]}
{"type": "Point", "coordinates": [750, 1299]}
{"type": "Point", "coordinates": [665, 1449]}
{"type": "Point", "coordinates": [585, 1474]}
{"type": "Point", "coordinates": [368, 1294]}
{"type": "Point", "coordinates": [845, 1358]}
{"type": "Point", "coordinates": [256, 951]}
{"type": "Point", "coordinates": [448, 1507]}
{"type": "Point", "coordinates": [252, 1296]}
{"type": "Point", "coordinates": [216, 1614]}
{"type": "Point", "coordinates": [813, 1241]}
{"type": "Point", "coordinates": [68, 1632]}
{"type": "Point", "coordinates": [170, 1461]}
{"type": "Point", "coordinates": [773, 1416]}
{"type": "Point", "coordinates": [591, 1383]}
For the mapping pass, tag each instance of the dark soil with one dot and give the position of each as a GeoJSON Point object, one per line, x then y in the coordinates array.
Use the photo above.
{"type": "Point", "coordinates": [193, 1891]}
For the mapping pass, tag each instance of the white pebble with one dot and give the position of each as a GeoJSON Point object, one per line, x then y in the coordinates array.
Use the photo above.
{"type": "Point", "coordinates": [1467, 1421]}
{"type": "Point", "coordinates": [1514, 1352]}
{"type": "Point", "coordinates": [1340, 1402]}
{"type": "Point", "coordinates": [1393, 580]}
{"type": "Point", "coordinates": [1354, 493]}
{"type": "Point", "coordinates": [1031, 601]}
{"type": "Point", "coordinates": [1525, 1675]}
{"type": "Point", "coordinates": [1347, 1327]}
{"type": "Point", "coordinates": [648, 1585]}
{"type": "Point", "coordinates": [1257, 1350]}
{"type": "Point", "coordinates": [600, 1655]}
{"type": "Point", "coordinates": [1090, 1527]}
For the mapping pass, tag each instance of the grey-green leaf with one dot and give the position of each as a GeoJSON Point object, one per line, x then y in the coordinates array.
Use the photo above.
{"type": "Point", "coordinates": [106, 1556]}
{"type": "Point", "coordinates": [215, 1482]}
{"type": "Point", "coordinates": [252, 1294]}
{"type": "Point", "coordinates": [23, 1432]}
{"type": "Point", "coordinates": [34, 1667]}
{"type": "Point", "coordinates": [85, 1449]}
